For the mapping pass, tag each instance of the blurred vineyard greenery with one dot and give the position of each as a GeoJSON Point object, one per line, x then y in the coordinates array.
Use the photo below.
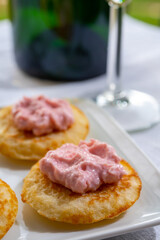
{"type": "Point", "coordinates": [145, 10]}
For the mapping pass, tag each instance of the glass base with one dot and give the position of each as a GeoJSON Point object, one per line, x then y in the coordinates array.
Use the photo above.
{"type": "Point", "coordinates": [133, 110]}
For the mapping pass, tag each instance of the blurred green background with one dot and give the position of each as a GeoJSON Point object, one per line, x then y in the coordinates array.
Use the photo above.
{"type": "Point", "coordinates": [145, 10]}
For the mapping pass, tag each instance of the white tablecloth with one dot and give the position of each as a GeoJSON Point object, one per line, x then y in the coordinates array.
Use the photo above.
{"type": "Point", "coordinates": [141, 71]}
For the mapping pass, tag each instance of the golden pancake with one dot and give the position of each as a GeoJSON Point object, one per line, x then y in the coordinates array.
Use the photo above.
{"type": "Point", "coordinates": [61, 204]}
{"type": "Point", "coordinates": [24, 145]}
{"type": "Point", "coordinates": [8, 207]}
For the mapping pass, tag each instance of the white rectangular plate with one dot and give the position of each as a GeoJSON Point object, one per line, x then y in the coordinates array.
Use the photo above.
{"type": "Point", "coordinates": [144, 213]}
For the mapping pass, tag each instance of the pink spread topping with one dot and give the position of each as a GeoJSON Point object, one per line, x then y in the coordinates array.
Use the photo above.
{"type": "Point", "coordinates": [42, 115]}
{"type": "Point", "coordinates": [84, 167]}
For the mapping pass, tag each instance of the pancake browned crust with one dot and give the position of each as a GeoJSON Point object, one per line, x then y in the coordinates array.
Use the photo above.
{"type": "Point", "coordinates": [23, 145]}
{"type": "Point", "coordinates": [8, 208]}
{"type": "Point", "coordinates": [61, 204]}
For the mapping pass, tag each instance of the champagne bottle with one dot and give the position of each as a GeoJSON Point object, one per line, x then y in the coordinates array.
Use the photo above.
{"type": "Point", "coordinates": [60, 39]}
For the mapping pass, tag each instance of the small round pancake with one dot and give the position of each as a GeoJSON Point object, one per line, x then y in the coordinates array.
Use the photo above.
{"type": "Point", "coordinates": [8, 208]}
{"type": "Point", "coordinates": [61, 204]}
{"type": "Point", "coordinates": [25, 146]}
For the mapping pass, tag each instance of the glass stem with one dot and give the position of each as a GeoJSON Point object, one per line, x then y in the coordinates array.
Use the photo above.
{"type": "Point", "coordinates": [114, 49]}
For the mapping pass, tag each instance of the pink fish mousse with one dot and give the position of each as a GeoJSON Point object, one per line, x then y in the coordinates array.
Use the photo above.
{"type": "Point", "coordinates": [84, 167]}
{"type": "Point", "coordinates": [42, 115]}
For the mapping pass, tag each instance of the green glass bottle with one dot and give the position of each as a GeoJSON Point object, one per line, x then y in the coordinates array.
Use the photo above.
{"type": "Point", "coordinates": [61, 39]}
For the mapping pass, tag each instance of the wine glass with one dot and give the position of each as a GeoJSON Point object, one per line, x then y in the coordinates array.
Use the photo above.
{"type": "Point", "coordinates": [134, 110]}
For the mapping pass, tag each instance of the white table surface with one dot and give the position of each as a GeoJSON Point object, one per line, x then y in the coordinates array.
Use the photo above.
{"type": "Point", "coordinates": [141, 71]}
